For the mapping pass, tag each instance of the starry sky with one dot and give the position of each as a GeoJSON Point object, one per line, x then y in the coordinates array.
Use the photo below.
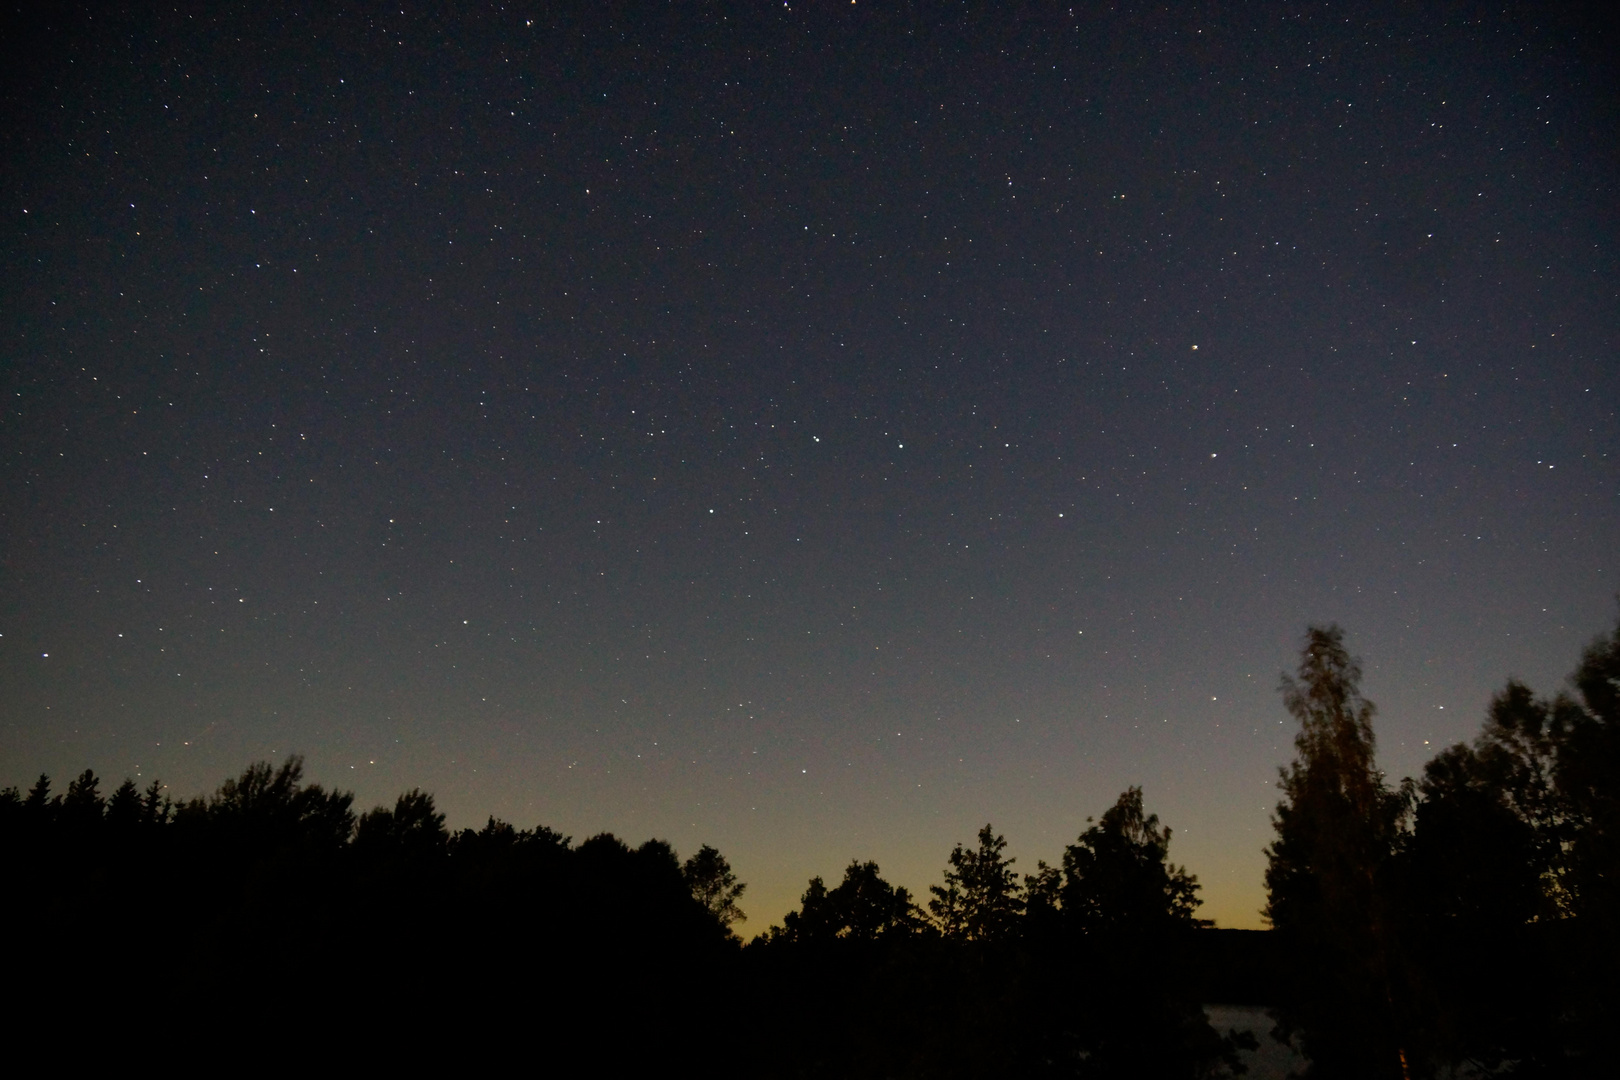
{"type": "Point", "coordinates": [810, 429]}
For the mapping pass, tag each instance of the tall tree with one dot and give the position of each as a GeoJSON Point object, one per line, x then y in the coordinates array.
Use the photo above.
{"type": "Point", "coordinates": [1117, 994]}
{"type": "Point", "coordinates": [1588, 782]}
{"type": "Point", "coordinates": [1471, 878]}
{"type": "Point", "coordinates": [982, 897]}
{"type": "Point", "coordinates": [1588, 775]}
{"type": "Point", "coordinates": [1337, 827]}
{"type": "Point", "coordinates": [84, 807]}
{"type": "Point", "coordinates": [39, 806]}
{"type": "Point", "coordinates": [714, 885]}
{"type": "Point", "coordinates": [124, 810]}
{"type": "Point", "coordinates": [1508, 879]}
{"type": "Point", "coordinates": [1117, 877]}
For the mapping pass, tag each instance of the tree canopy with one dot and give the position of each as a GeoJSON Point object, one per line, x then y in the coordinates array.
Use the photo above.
{"type": "Point", "coordinates": [982, 897]}
{"type": "Point", "coordinates": [1465, 920]}
{"type": "Point", "coordinates": [1327, 874]}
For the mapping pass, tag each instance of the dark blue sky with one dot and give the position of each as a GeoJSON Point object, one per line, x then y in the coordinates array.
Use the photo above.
{"type": "Point", "coordinates": [812, 430]}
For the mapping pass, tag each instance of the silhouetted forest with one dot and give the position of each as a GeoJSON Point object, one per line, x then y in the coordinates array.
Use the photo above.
{"type": "Point", "coordinates": [1466, 919]}
{"type": "Point", "coordinates": [1462, 923]}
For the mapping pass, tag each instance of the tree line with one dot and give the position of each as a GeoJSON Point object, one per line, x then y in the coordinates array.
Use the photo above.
{"type": "Point", "coordinates": [1466, 919]}
{"type": "Point", "coordinates": [1461, 921]}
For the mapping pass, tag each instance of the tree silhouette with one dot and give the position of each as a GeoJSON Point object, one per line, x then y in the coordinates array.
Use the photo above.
{"type": "Point", "coordinates": [982, 897]}
{"type": "Point", "coordinates": [714, 885]}
{"type": "Point", "coordinates": [1337, 826]}
{"type": "Point", "coordinates": [1116, 998]}
{"type": "Point", "coordinates": [272, 806]}
{"type": "Point", "coordinates": [814, 921]}
{"type": "Point", "coordinates": [947, 911]}
{"type": "Point", "coordinates": [498, 838]}
{"type": "Point", "coordinates": [1517, 758]}
{"type": "Point", "coordinates": [1480, 940]}
{"type": "Point", "coordinates": [412, 829]}
{"type": "Point", "coordinates": [11, 812]}
{"type": "Point", "coordinates": [861, 908]}
{"type": "Point", "coordinates": [1116, 877]}
{"type": "Point", "coordinates": [1043, 891]}
{"type": "Point", "coordinates": [1507, 879]}
{"type": "Point", "coordinates": [867, 908]}
{"type": "Point", "coordinates": [39, 807]}
{"type": "Point", "coordinates": [156, 806]}
{"type": "Point", "coordinates": [1471, 879]}
{"type": "Point", "coordinates": [1588, 777]}
{"type": "Point", "coordinates": [83, 808]}
{"type": "Point", "coordinates": [124, 807]}
{"type": "Point", "coordinates": [1588, 782]}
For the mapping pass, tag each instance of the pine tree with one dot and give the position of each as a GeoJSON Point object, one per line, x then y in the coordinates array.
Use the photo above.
{"type": "Point", "coordinates": [714, 885]}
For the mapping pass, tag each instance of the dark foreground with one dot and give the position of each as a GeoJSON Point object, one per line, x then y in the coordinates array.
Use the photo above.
{"type": "Point", "coordinates": [268, 922]}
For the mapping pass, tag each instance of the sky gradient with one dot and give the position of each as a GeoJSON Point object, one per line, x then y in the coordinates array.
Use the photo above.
{"type": "Point", "coordinates": [813, 430]}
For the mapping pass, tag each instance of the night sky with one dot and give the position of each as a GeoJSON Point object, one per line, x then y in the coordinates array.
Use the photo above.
{"type": "Point", "coordinates": [813, 430]}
